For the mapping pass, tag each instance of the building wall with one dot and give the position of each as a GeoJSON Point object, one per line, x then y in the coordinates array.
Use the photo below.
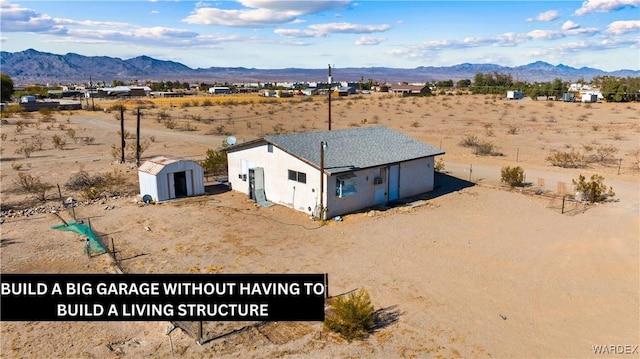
{"type": "Point", "coordinates": [415, 177]}
{"type": "Point", "coordinates": [277, 186]}
{"type": "Point", "coordinates": [148, 185]}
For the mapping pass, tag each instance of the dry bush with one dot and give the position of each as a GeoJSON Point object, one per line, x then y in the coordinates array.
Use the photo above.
{"type": "Point", "coordinates": [635, 159]}
{"type": "Point", "coordinates": [46, 115]}
{"type": "Point", "coordinates": [33, 185]}
{"type": "Point", "coordinates": [352, 317]}
{"type": "Point", "coordinates": [604, 154]}
{"type": "Point", "coordinates": [71, 133]}
{"type": "Point", "coordinates": [26, 149]}
{"type": "Point", "coordinates": [571, 159]}
{"type": "Point", "coordinates": [99, 185]}
{"type": "Point", "coordinates": [513, 176]}
{"type": "Point", "coordinates": [58, 142]}
{"type": "Point", "coordinates": [594, 190]}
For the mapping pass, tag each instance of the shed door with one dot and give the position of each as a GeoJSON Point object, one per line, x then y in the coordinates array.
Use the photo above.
{"type": "Point", "coordinates": [394, 182]}
{"type": "Point", "coordinates": [180, 184]}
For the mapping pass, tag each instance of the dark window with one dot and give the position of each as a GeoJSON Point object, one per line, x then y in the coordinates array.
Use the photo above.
{"type": "Point", "coordinates": [269, 148]}
{"type": "Point", "coordinates": [297, 176]}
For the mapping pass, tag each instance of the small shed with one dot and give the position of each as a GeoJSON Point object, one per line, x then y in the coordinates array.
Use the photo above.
{"type": "Point", "coordinates": [164, 178]}
{"type": "Point", "coordinates": [515, 95]}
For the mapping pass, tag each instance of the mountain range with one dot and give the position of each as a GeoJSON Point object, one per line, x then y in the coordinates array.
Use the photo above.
{"type": "Point", "coordinates": [35, 67]}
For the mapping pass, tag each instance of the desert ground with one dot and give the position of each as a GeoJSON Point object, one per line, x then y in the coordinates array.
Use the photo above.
{"type": "Point", "coordinates": [473, 269]}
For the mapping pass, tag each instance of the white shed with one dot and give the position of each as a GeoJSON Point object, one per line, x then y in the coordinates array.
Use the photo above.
{"type": "Point", "coordinates": [164, 178]}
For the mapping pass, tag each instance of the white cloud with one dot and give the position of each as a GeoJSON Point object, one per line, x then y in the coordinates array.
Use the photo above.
{"type": "Point", "coordinates": [321, 30]}
{"type": "Point", "coordinates": [260, 13]}
{"type": "Point", "coordinates": [569, 25]}
{"type": "Point", "coordinates": [545, 16]}
{"type": "Point", "coordinates": [297, 33]}
{"type": "Point", "coordinates": [17, 18]}
{"type": "Point", "coordinates": [622, 27]}
{"type": "Point", "coordinates": [348, 28]}
{"type": "Point", "coordinates": [370, 40]}
{"type": "Point", "coordinates": [154, 12]}
{"type": "Point", "coordinates": [590, 6]}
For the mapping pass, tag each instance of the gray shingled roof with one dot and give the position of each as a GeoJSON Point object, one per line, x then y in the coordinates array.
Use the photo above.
{"type": "Point", "coordinates": [354, 148]}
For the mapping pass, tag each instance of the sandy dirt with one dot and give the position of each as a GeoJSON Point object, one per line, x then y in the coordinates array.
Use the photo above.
{"type": "Point", "coordinates": [473, 269]}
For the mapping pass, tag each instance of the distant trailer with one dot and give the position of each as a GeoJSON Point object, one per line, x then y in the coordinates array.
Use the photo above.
{"type": "Point", "coordinates": [589, 97]}
{"type": "Point", "coordinates": [219, 90]}
{"type": "Point", "coordinates": [569, 97]}
{"type": "Point", "coordinates": [515, 95]}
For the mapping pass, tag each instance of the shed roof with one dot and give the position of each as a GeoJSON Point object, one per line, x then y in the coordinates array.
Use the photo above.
{"type": "Point", "coordinates": [350, 149]}
{"type": "Point", "coordinates": [155, 165]}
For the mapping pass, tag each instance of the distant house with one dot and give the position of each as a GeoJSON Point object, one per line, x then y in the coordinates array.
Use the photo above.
{"type": "Point", "coordinates": [345, 91]}
{"type": "Point", "coordinates": [410, 90]}
{"type": "Point", "coordinates": [218, 90]}
{"type": "Point", "coordinates": [358, 168]}
{"type": "Point", "coordinates": [163, 178]}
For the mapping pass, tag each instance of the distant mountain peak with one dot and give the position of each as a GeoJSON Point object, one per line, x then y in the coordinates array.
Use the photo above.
{"type": "Point", "coordinates": [32, 66]}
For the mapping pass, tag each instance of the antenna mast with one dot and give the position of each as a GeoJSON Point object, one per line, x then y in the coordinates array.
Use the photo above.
{"type": "Point", "coordinates": [330, 80]}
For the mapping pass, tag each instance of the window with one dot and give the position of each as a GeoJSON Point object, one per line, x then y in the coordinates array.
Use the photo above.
{"type": "Point", "coordinates": [297, 176]}
{"type": "Point", "coordinates": [269, 148]}
{"type": "Point", "coordinates": [346, 185]}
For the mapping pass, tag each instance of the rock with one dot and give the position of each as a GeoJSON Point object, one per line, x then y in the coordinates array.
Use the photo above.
{"type": "Point", "coordinates": [147, 228]}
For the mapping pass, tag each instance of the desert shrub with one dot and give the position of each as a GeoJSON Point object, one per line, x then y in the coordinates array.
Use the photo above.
{"type": "Point", "coordinates": [571, 159]}
{"type": "Point", "coordinates": [58, 142]}
{"type": "Point", "coordinates": [485, 148]}
{"type": "Point", "coordinates": [604, 154]}
{"type": "Point", "coordinates": [33, 185]}
{"type": "Point", "coordinates": [117, 107]}
{"type": "Point", "coordinates": [82, 180]}
{"type": "Point", "coordinates": [130, 149]}
{"type": "Point", "coordinates": [163, 115]}
{"type": "Point", "coordinates": [470, 141]}
{"type": "Point", "coordinates": [512, 130]}
{"type": "Point", "coordinates": [170, 124]}
{"type": "Point", "coordinates": [98, 185]}
{"type": "Point", "coordinates": [513, 176]}
{"type": "Point", "coordinates": [26, 149]}
{"type": "Point", "coordinates": [46, 115]}
{"type": "Point", "coordinates": [352, 317]}
{"type": "Point", "coordinates": [439, 165]}
{"type": "Point", "coordinates": [215, 162]}
{"type": "Point", "coordinates": [71, 133]}
{"type": "Point", "coordinates": [206, 102]}
{"type": "Point", "coordinates": [37, 140]}
{"type": "Point", "coordinates": [594, 190]}
{"type": "Point", "coordinates": [188, 126]}
{"type": "Point", "coordinates": [635, 159]}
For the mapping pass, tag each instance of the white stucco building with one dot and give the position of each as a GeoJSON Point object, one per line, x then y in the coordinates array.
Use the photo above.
{"type": "Point", "coordinates": [357, 167]}
{"type": "Point", "coordinates": [164, 178]}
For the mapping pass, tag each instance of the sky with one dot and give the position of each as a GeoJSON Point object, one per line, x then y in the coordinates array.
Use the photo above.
{"type": "Point", "coordinates": [275, 34]}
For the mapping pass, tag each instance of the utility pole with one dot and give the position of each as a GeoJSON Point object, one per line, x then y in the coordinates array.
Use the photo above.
{"type": "Point", "coordinates": [123, 143]}
{"type": "Point", "coordinates": [138, 139]}
{"type": "Point", "coordinates": [322, 146]}
{"type": "Point", "coordinates": [330, 80]}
